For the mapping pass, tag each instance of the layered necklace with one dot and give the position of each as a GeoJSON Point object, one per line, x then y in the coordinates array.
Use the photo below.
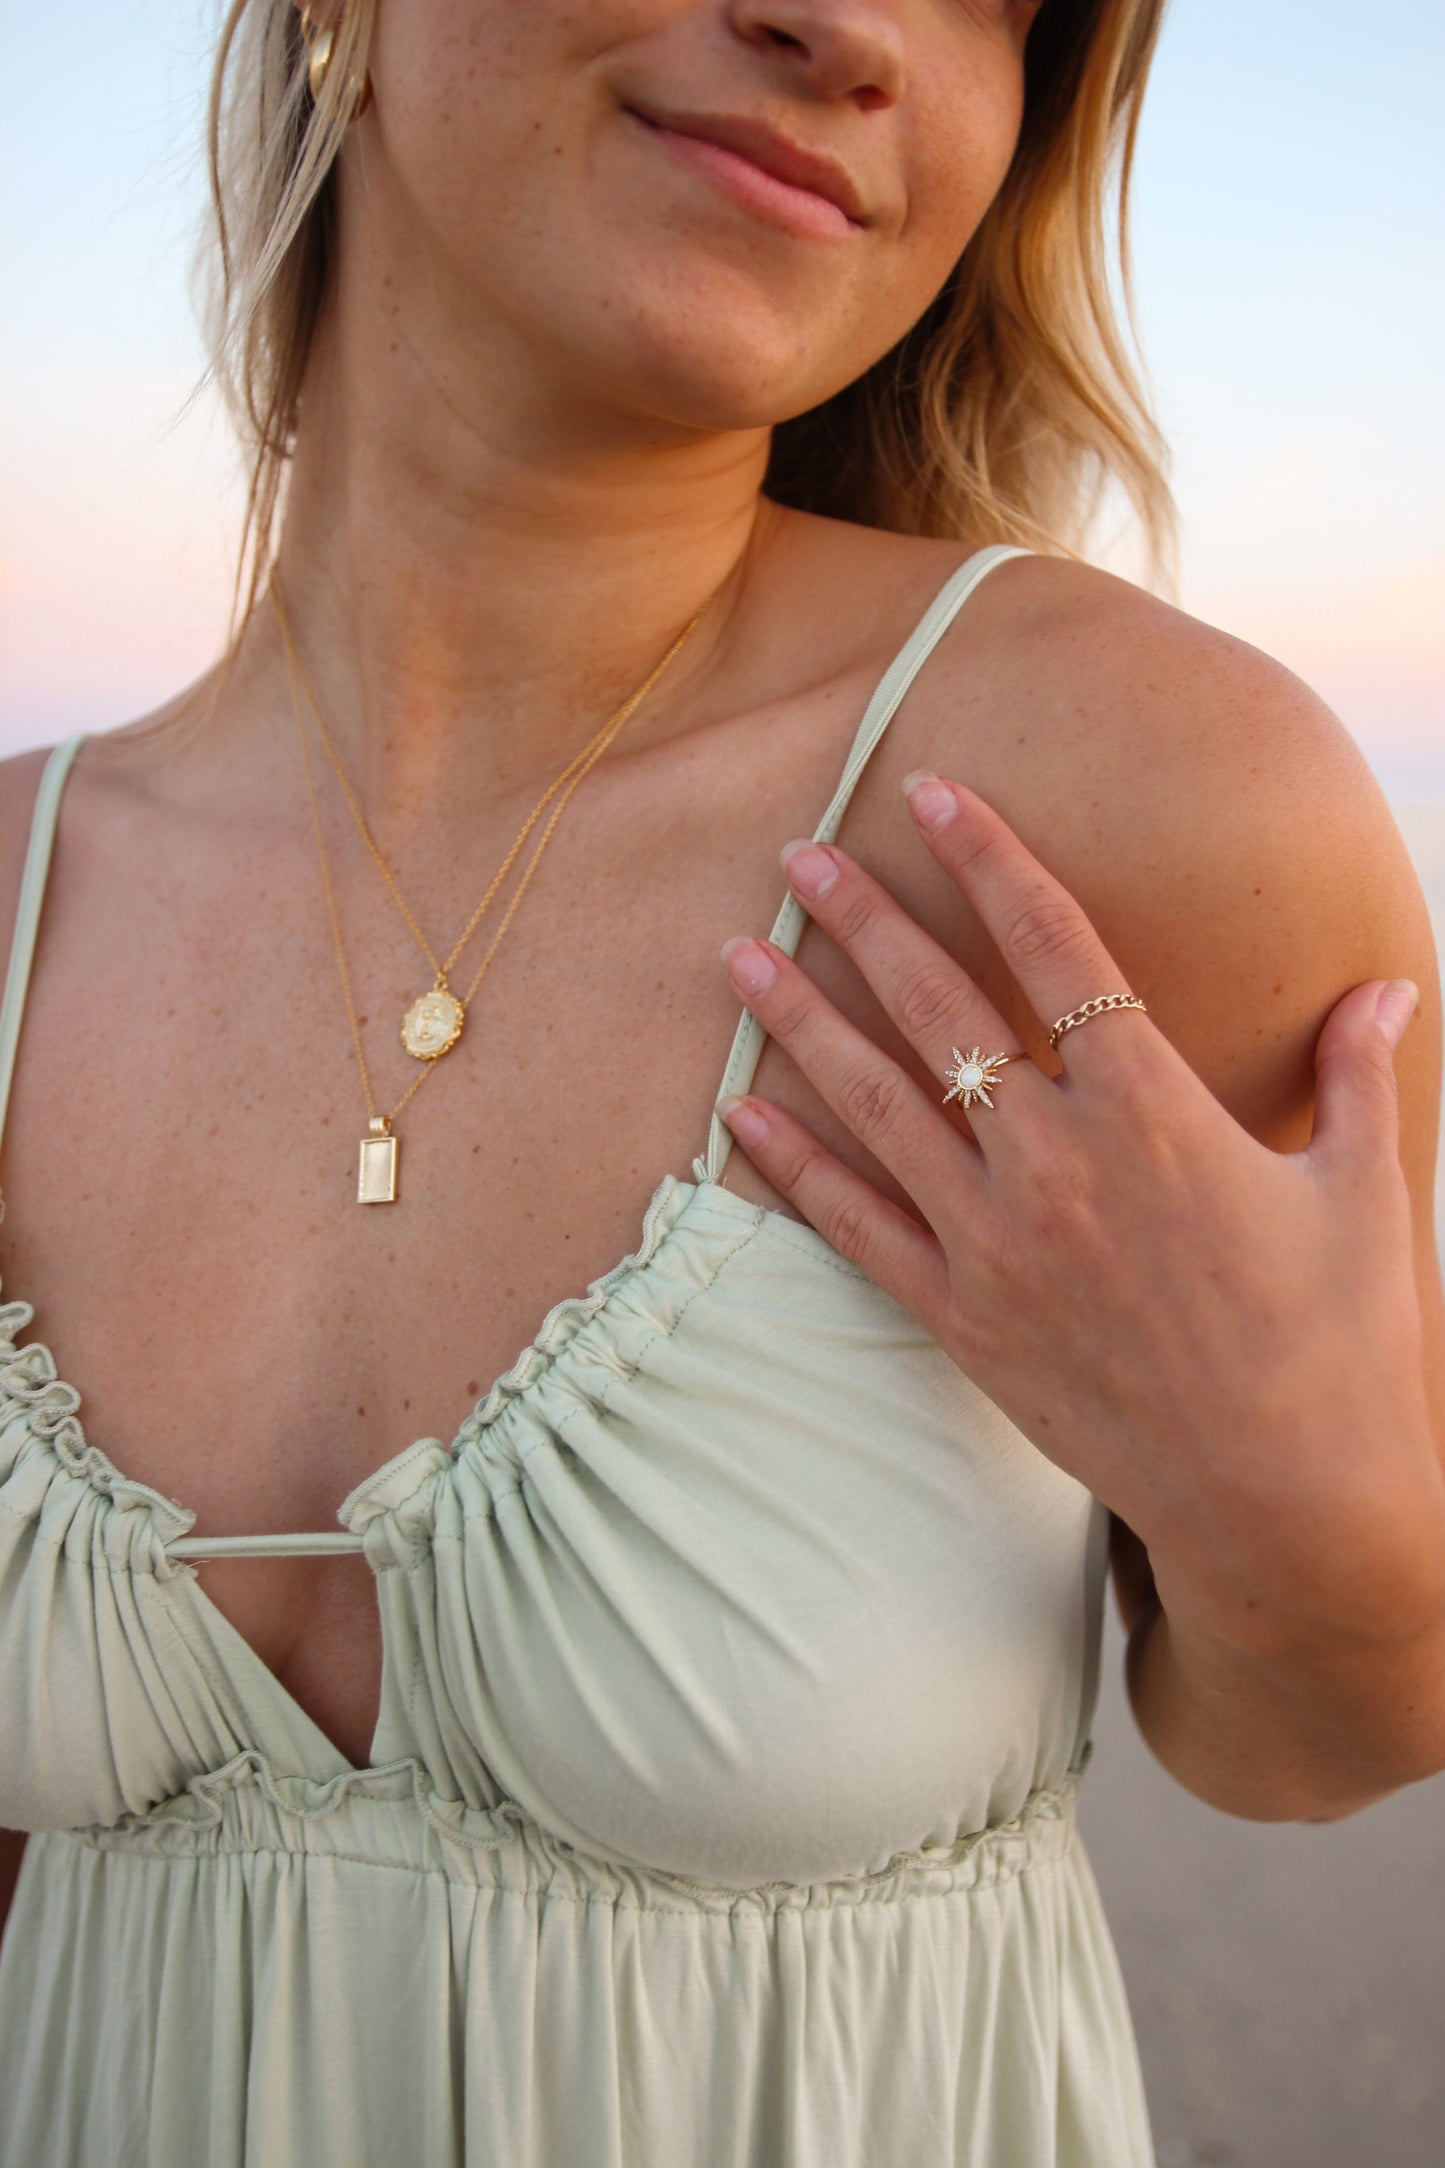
{"type": "Point", "coordinates": [434, 1020]}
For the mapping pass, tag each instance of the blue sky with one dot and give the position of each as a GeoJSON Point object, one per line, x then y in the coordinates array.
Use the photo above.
{"type": "Point", "coordinates": [1290, 206]}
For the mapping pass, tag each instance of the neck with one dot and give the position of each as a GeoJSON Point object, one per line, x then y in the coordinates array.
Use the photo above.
{"type": "Point", "coordinates": [474, 587]}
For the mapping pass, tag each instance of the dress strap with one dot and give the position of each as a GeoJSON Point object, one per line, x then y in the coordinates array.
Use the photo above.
{"type": "Point", "coordinates": [788, 926]}
{"type": "Point", "coordinates": [27, 916]}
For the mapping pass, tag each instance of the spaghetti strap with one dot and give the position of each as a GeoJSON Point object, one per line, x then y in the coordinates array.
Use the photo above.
{"type": "Point", "coordinates": [788, 926]}
{"type": "Point", "coordinates": [27, 916]}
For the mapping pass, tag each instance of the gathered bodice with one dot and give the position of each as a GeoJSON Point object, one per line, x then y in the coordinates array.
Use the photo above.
{"type": "Point", "coordinates": [733, 1574]}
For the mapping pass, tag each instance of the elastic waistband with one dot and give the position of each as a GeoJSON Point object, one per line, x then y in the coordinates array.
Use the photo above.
{"type": "Point", "coordinates": [389, 1822]}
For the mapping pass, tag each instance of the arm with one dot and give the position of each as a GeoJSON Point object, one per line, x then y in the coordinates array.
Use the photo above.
{"type": "Point", "coordinates": [1286, 884]}
{"type": "Point", "coordinates": [19, 781]}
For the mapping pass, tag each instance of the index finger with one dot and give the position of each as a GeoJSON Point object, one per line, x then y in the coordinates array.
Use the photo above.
{"type": "Point", "coordinates": [1041, 931]}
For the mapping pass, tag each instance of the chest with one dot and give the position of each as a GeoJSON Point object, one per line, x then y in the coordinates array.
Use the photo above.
{"type": "Point", "coordinates": [182, 1146]}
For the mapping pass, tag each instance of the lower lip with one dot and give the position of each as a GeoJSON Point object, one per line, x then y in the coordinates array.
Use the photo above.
{"type": "Point", "coordinates": [796, 210]}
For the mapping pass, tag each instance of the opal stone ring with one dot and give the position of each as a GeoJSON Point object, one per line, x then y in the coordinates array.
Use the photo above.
{"type": "Point", "coordinates": [973, 1076]}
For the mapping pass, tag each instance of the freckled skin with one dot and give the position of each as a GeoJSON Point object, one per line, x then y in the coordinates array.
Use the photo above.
{"type": "Point", "coordinates": [532, 439]}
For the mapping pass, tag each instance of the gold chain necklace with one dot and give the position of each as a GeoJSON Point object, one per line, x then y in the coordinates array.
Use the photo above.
{"type": "Point", "coordinates": [377, 1166]}
{"type": "Point", "coordinates": [433, 1022]}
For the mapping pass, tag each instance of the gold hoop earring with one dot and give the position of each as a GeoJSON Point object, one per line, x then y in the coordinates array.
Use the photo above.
{"type": "Point", "coordinates": [320, 44]}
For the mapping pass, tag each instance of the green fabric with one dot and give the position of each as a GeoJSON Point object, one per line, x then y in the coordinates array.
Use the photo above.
{"type": "Point", "coordinates": [740, 1663]}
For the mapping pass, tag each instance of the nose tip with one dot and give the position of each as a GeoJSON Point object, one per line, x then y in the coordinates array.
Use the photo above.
{"type": "Point", "coordinates": [854, 50]}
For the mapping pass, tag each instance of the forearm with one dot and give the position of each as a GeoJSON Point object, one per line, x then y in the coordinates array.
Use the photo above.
{"type": "Point", "coordinates": [1311, 1735]}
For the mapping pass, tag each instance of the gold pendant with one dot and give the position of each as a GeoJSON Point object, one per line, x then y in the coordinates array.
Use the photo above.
{"type": "Point", "coordinates": [376, 1169]}
{"type": "Point", "coordinates": [432, 1023]}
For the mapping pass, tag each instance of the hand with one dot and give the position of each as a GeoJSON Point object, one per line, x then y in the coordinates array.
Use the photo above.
{"type": "Point", "coordinates": [1221, 1342]}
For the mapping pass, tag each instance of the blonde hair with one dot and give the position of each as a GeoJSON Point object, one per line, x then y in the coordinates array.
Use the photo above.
{"type": "Point", "coordinates": [1013, 404]}
{"type": "Point", "coordinates": [1005, 414]}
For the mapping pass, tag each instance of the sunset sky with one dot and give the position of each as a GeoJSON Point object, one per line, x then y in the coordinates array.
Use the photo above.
{"type": "Point", "coordinates": [1289, 197]}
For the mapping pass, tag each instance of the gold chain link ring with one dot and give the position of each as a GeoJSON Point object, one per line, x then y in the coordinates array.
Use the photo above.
{"type": "Point", "coordinates": [1096, 1007]}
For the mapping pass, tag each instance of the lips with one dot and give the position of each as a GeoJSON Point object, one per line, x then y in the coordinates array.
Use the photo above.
{"type": "Point", "coordinates": [771, 151]}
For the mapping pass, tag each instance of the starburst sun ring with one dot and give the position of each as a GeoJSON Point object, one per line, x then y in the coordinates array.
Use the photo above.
{"type": "Point", "coordinates": [973, 1076]}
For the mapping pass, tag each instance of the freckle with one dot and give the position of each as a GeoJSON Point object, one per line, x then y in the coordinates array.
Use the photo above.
{"type": "Point", "coordinates": [361, 1411]}
{"type": "Point", "coordinates": [474, 1385]}
{"type": "Point", "coordinates": [392, 348]}
{"type": "Point", "coordinates": [363, 1019]}
{"type": "Point", "coordinates": [1279, 989]}
{"type": "Point", "coordinates": [1259, 892]}
{"type": "Point", "coordinates": [475, 1149]}
{"type": "Point", "coordinates": [404, 1406]}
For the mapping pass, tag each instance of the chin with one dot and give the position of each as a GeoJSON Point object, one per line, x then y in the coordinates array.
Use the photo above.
{"type": "Point", "coordinates": [718, 356]}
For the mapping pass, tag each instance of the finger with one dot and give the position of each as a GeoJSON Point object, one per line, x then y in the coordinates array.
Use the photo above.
{"type": "Point", "coordinates": [1041, 932]}
{"type": "Point", "coordinates": [878, 1101]}
{"type": "Point", "coordinates": [930, 997]}
{"type": "Point", "coordinates": [906, 1260]}
{"type": "Point", "coordinates": [1357, 1102]}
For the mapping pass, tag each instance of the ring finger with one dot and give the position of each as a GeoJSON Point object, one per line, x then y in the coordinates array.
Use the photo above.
{"type": "Point", "coordinates": [930, 997]}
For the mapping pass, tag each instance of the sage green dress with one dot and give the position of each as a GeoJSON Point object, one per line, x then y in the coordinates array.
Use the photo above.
{"type": "Point", "coordinates": [740, 1663]}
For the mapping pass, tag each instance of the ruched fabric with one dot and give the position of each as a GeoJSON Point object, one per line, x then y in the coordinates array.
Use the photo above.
{"type": "Point", "coordinates": [740, 1658]}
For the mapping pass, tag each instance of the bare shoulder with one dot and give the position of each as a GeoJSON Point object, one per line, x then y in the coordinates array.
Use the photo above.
{"type": "Point", "coordinates": [1226, 837]}
{"type": "Point", "coordinates": [1210, 812]}
{"type": "Point", "coordinates": [1109, 666]}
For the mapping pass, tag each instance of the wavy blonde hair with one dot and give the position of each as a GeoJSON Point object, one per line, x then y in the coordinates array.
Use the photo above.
{"type": "Point", "coordinates": [1005, 414]}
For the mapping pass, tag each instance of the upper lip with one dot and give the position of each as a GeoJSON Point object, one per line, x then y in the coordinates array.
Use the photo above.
{"type": "Point", "coordinates": [769, 148]}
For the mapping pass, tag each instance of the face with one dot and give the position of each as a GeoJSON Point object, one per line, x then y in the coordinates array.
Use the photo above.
{"type": "Point", "coordinates": [708, 213]}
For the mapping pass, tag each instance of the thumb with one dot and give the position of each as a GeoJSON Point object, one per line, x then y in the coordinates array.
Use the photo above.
{"type": "Point", "coordinates": [1356, 1107]}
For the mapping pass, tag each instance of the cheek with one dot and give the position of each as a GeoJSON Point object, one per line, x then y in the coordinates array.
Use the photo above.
{"type": "Point", "coordinates": [468, 93]}
{"type": "Point", "coordinates": [962, 144]}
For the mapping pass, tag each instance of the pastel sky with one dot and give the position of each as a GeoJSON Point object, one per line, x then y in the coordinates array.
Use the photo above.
{"type": "Point", "coordinates": [1290, 186]}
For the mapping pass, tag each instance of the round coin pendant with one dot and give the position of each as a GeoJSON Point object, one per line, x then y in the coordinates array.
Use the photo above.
{"type": "Point", "coordinates": [432, 1024]}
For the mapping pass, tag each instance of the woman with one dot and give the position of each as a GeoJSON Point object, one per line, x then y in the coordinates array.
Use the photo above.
{"type": "Point", "coordinates": [687, 405]}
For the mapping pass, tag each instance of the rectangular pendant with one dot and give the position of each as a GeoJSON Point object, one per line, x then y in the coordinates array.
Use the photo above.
{"type": "Point", "coordinates": [376, 1171]}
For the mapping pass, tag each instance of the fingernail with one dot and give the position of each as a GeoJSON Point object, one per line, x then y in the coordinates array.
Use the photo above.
{"type": "Point", "coordinates": [745, 1122]}
{"type": "Point", "coordinates": [808, 867]}
{"type": "Point", "coordinates": [751, 966]}
{"type": "Point", "coordinates": [1395, 1008]}
{"type": "Point", "coordinates": [930, 801]}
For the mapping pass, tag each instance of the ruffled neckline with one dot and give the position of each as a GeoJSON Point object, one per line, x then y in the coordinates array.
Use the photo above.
{"type": "Point", "coordinates": [30, 1377]}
